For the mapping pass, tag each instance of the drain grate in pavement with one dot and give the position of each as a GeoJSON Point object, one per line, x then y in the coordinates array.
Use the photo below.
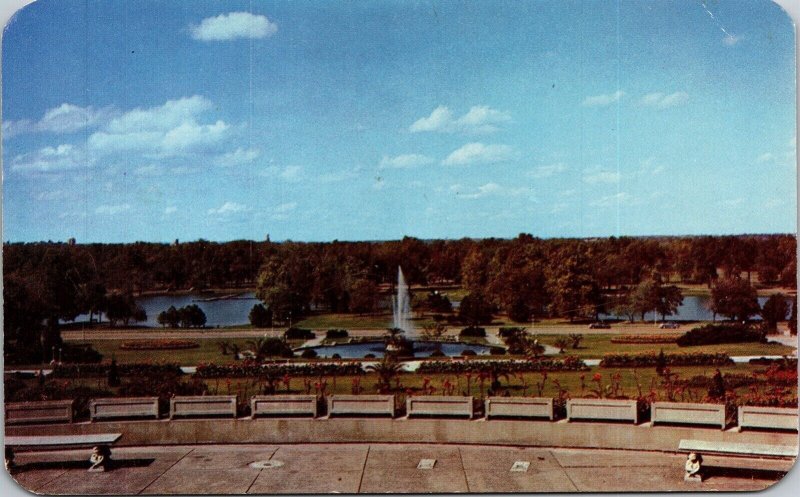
{"type": "Point", "coordinates": [520, 466]}
{"type": "Point", "coordinates": [426, 463]}
{"type": "Point", "coordinates": [266, 464]}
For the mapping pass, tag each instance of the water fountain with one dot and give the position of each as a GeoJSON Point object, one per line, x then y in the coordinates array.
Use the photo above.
{"type": "Point", "coordinates": [401, 307]}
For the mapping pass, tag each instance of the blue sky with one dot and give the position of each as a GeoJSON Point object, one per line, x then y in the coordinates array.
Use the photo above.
{"type": "Point", "coordinates": [156, 120]}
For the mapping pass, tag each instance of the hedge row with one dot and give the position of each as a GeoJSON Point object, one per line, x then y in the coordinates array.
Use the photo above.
{"type": "Point", "coordinates": [644, 339]}
{"type": "Point", "coordinates": [569, 363]}
{"type": "Point", "coordinates": [132, 369]}
{"type": "Point", "coordinates": [258, 370]}
{"type": "Point", "coordinates": [159, 345]}
{"type": "Point", "coordinates": [711, 334]}
{"type": "Point", "coordinates": [651, 360]}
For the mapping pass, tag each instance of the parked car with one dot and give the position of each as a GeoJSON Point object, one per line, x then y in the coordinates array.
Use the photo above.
{"type": "Point", "coordinates": [669, 326]}
{"type": "Point", "coordinates": [599, 325]}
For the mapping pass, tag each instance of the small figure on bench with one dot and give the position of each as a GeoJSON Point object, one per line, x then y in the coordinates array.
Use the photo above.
{"type": "Point", "coordinates": [693, 463]}
{"type": "Point", "coordinates": [100, 458]}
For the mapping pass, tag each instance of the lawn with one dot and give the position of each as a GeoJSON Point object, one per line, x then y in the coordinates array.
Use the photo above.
{"type": "Point", "coordinates": [595, 346]}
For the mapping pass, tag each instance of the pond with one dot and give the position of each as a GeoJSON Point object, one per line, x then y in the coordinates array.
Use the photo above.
{"type": "Point", "coordinates": [421, 349]}
{"type": "Point", "coordinates": [693, 308]}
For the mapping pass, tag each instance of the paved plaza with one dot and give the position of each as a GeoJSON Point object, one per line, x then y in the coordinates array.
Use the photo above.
{"type": "Point", "coordinates": [379, 468]}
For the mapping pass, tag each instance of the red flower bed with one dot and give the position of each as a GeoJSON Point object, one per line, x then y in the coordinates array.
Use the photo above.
{"type": "Point", "coordinates": [159, 345]}
{"type": "Point", "coordinates": [645, 339]}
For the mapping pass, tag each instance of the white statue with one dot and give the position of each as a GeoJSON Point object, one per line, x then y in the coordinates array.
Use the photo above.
{"type": "Point", "coordinates": [693, 463]}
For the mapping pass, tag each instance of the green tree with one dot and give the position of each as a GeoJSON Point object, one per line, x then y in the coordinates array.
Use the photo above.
{"type": "Point", "coordinates": [260, 316]}
{"type": "Point", "coordinates": [775, 309]}
{"type": "Point", "coordinates": [475, 309]}
{"type": "Point", "coordinates": [734, 298]}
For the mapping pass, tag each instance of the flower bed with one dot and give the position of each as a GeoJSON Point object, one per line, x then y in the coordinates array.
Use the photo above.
{"type": "Point", "coordinates": [258, 370]}
{"type": "Point", "coordinates": [159, 345]}
{"type": "Point", "coordinates": [132, 369]}
{"type": "Point", "coordinates": [651, 360]}
{"type": "Point", "coordinates": [569, 363]}
{"type": "Point", "coordinates": [645, 339]}
{"type": "Point", "coordinates": [711, 334]}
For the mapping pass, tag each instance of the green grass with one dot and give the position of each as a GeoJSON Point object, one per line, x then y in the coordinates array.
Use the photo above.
{"type": "Point", "coordinates": [596, 346]}
{"type": "Point", "coordinates": [208, 351]}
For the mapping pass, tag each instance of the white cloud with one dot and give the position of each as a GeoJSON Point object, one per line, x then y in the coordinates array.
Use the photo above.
{"type": "Point", "coordinates": [66, 118]}
{"type": "Point", "coordinates": [620, 198]}
{"type": "Point", "coordinates": [148, 170]}
{"type": "Point", "coordinates": [765, 157]}
{"type": "Point", "coordinates": [486, 190]}
{"type": "Point", "coordinates": [478, 153]}
{"type": "Point", "coordinates": [48, 159]}
{"type": "Point", "coordinates": [285, 207]}
{"type": "Point", "coordinates": [404, 161]}
{"type": "Point", "coordinates": [603, 100]}
{"type": "Point", "coordinates": [111, 210]}
{"type": "Point", "coordinates": [547, 170]}
{"type": "Point", "coordinates": [232, 26]}
{"type": "Point", "coordinates": [228, 208]}
{"type": "Point", "coordinates": [597, 175]}
{"type": "Point", "coordinates": [731, 40]}
{"type": "Point", "coordinates": [337, 176]}
{"type": "Point", "coordinates": [480, 119]}
{"type": "Point", "coordinates": [238, 157]}
{"type": "Point", "coordinates": [291, 173]}
{"type": "Point", "coordinates": [664, 101]}
{"type": "Point", "coordinates": [166, 130]}
{"type": "Point", "coordinates": [170, 210]}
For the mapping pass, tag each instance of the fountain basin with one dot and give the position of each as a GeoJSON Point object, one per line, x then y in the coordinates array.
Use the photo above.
{"type": "Point", "coordinates": [377, 349]}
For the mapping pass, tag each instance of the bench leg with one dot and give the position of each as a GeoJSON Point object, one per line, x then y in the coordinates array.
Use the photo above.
{"type": "Point", "coordinates": [10, 466]}
{"type": "Point", "coordinates": [100, 459]}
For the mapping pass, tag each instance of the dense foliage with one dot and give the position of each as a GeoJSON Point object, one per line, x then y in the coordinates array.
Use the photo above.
{"type": "Point", "coordinates": [569, 363]}
{"type": "Point", "coordinates": [96, 370]}
{"type": "Point", "coordinates": [651, 359]}
{"type": "Point", "coordinates": [720, 333]}
{"type": "Point", "coordinates": [252, 370]}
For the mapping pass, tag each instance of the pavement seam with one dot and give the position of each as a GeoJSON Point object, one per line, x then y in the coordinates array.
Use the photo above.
{"type": "Point", "coordinates": [564, 470]}
{"type": "Point", "coordinates": [363, 470]}
{"type": "Point", "coordinates": [463, 470]}
{"type": "Point", "coordinates": [165, 471]}
{"type": "Point", "coordinates": [260, 471]}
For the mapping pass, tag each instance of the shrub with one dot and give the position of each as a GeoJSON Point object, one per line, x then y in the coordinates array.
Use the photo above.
{"type": "Point", "coordinates": [334, 333]}
{"type": "Point", "coordinates": [468, 352]}
{"type": "Point", "coordinates": [159, 345]}
{"type": "Point", "coordinates": [508, 331]}
{"type": "Point", "coordinates": [308, 354]}
{"type": "Point", "coordinates": [80, 352]}
{"type": "Point", "coordinates": [472, 332]}
{"type": "Point", "coordinates": [497, 351]}
{"type": "Point", "coordinates": [252, 370]}
{"type": "Point", "coordinates": [650, 359]}
{"type": "Point", "coordinates": [101, 370]}
{"type": "Point", "coordinates": [720, 333]}
{"type": "Point", "coordinates": [644, 339]}
{"type": "Point", "coordinates": [568, 363]}
{"type": "Point", "coordinates": [298, 334]}
{"type": "Point", "coordinates": [260, 316]}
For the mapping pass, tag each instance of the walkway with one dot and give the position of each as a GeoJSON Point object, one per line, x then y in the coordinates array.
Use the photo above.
{"type": "Point", "coordinates": [379, 468]}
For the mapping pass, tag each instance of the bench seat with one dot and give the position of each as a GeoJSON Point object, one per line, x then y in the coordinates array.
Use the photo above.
{"type": "Point", "coordinates": [738, 449]}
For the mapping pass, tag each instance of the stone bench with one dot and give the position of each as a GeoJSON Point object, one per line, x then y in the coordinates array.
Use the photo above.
{"type": "Point", "coordinates": [361, 405]}
{"type": "Point", "coordinates": [603, 409]}
{"type": "Point", "coordinates": [773, 418]}
{"type": "Point", "coordinates": [688, 413]}
{"type": "Point", "coordinates": [101, 442]}
{"type": "Point", "coordinates": [439, 405]}
{"type": "Point", "coordinates": [202, 405]}
{"type": "Point", "coordinates": [46, 411]}
{"type": "Point", "coordinates": [283, 405]}
{"type": "Point", "coordinates": [522, 407]}
{"type": "Point", "coordinates": [751, 450]}
{"type": "Point", "coordinates": [123, 407]}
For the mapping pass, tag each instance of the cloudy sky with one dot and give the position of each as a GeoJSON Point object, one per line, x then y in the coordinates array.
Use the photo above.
{"type": "Point", "coordinates": [155, 120]}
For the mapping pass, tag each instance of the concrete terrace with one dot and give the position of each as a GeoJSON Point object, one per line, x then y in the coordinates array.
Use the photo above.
{"type": "Point", "coordinates": [379, 468]}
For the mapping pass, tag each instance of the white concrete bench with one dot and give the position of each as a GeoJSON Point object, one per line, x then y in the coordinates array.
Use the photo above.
{"type": "Point", "coordinates": [361, 405]}
{"type": "Point", "coordinates": [283, 405]}
{"type": "Point", "coordinates": [603, 409]}
{"type": "Point", "coordinates": [688, 413]}
{"type": "Point", "coordinates": [202, 405]}
{"type": "Point", "coordinates": [736, 449]}
{"type": "Point", "coordinates": [522, 407]}
{"type": "Point", "coordinates": [439, 405]}
{"type": "Point", "coordinates": [46, 411]}
{"type": "Point", "coordinates": [100, 459]}
{"type": "Point", "coordinates": [771, 418]}
{"type": "Point", "coordinates": [123, 407]}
